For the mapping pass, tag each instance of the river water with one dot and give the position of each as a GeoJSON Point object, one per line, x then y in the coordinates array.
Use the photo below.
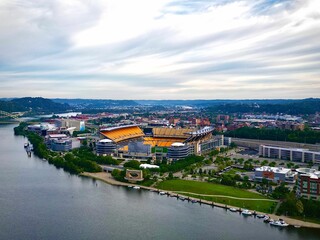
{"type": "Point", "coordinates": [37, 201]}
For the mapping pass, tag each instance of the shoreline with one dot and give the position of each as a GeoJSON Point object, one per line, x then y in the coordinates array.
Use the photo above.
{"type": "Point", "coordinates": [107, 178]}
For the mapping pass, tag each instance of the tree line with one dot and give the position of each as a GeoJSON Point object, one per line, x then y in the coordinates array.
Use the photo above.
{"type": "Point", "coordinates": [306, 136]}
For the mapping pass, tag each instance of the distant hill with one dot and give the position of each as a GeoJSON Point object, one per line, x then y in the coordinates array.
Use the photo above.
{"type": "Point", "coordinates": [33, 105]}
{"type": "Point", "coordinates": [9, 106]}
{"type": "Point", "coordinates": [96, 103]}
{"type": "Point", "coordinates": [209, 103]}
{"type": "Point", "coordinates": [304, 106]}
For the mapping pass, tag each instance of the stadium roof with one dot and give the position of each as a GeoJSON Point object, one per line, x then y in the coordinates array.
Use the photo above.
{"type": "Point", "coordinates": [202, 131]}
{"type": "Point", "coordinates": [122, 133]}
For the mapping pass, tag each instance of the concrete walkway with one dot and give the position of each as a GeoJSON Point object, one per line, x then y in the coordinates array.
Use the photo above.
{"type": "Point", "coordinates": [207, 195]}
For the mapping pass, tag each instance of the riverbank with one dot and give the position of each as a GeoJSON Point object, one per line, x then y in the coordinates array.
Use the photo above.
{"type": "Point", "coordinates": [8, 122]}
{"type": "Point", "coordinates": [107, 178]}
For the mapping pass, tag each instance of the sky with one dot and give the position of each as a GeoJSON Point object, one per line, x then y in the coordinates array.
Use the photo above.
{"type": "Point", "coordinates": [160, 49]}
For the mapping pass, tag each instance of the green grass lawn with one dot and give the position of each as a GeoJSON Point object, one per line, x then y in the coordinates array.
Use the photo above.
{"type": "Point", "coordinates": [207, 188]}
{"type": "Point", "coordinates": [146, 183]}
{"type": "Point", "coordinates": [232, 172]}
{"type": "Point", "coordinates": [218, 189]}
{"type": "Point", "coordinates": [236, 170]}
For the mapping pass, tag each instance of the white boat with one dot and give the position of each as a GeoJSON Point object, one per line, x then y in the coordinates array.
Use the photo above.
{"type": "Point", "coordinates": [162, 193]}
{"type": "Point", "coordinates": [260, 215]}
{"type": "Point", "coordinates": [266, 219]}
{"type": "Point", "coordinates": [297, 226]}
{"type": "Point", "coordinates": [246, 212]}
{"type": "Point", "coordinates": [129, 186]}
{"type": "Point", "coordinates": [233, 209]}
{"type": "Point", "coordinates": [279, 223]}
{"type": "Point", "coordinates": [136, 187]}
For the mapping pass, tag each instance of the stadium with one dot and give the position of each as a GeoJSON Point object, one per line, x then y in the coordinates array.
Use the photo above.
{"type": "Point", "coordinates": [134, 142]}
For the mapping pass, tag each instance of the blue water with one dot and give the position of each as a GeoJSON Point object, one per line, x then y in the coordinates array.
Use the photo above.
{"type": "Point", "coordinates": [37, 201]}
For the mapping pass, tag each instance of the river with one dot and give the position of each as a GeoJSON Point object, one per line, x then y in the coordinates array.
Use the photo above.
{"type": "Point", "coordinates": [37, 201]}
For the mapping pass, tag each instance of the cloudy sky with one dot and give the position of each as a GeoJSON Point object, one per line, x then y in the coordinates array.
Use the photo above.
{"type": "Point", "coordinates": [160, 49]}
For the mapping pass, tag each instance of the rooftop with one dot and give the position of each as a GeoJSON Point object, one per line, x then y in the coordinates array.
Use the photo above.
{"type": "Point", "coordinates": [105, 141]}
{"type": "Point", "coordinates": [148, 166]}
{"type": "Point", "coordinates": [177, 144]}
{"type": "Point", "coordinates": [57, 135]}
{"type": "Point", "coordinates": [312, 173]}
{"type": "Point", "coordinates": [273, 169]}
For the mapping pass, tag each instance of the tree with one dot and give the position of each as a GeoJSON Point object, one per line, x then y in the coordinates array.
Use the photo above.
{"type": "Point", "coordinates": [132, 164]}
{"type": "Point", "coordinates": [264, 181]}
{"type": "Point", "coordinates": [240, 161]}
{"type": "Point", "coordinates": [237, 177]}
{"type": "Point", "coordinates": [280, 192]}
{"type": "Point", "coordinates": [248, 167]}
{"type": "Point", "coordinates": [299, 206]}
{"type": "Point", "coordinates": [290, 165]}
{"type": "Point", "coordinates": [233, 145]}
{"type": "Point", "coordinates": [228, 180]}
{"type": "Point", "coordinates": [85, 142]}
{"type": "Point", "coordinates": [246, 179]}
{"type": "Point", "coordinates": [272, 164]}
{"type": "Point", "coordinates": [118, 174]}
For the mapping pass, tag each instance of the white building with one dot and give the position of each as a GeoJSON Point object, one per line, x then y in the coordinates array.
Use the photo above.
{"type": "Point", "coordinates": [291, 154]}
{"type": "Point", "coordinates": [275, 174]}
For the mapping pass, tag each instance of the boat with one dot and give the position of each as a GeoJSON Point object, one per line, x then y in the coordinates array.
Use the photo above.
{"type": "Point", "coordinates": [233, 209]}
{"type": "Point", "coordinates": [266, 219]}
{"type": "Point", "coordinates": [26, 145]}
{"type": "Point", "coordinates": [279, 223]}
{"type": "Point", "coordinates": [260, 215]}
{"type": "Point", "coordinates": [246, 212]}
{"type": "Point", "coordinates": [194, 201]}
{"type": "Point", "coordinates": [297, 226]}
{"type": "Point", "coordinates": [182, 198]}
{"type": "Point", "coordinates": [136, 187]}
{"type": "Point", "coordinates": [162, 193]}
{"type": "Point", "coordinates": [130, 186]}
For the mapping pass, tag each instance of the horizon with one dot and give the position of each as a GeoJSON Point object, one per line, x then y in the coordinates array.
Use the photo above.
{"type": "Point", "coordinates": [195, 99]}
{"type": "Point", "coordinates": [226, 49]}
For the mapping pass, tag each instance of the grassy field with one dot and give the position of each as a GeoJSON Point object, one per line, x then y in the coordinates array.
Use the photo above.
{"type": "Point", "coordinates": [218, 189]}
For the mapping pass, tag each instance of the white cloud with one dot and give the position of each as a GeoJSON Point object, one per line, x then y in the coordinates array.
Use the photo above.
{"type": "Point", "coordinates": [160, 49]}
